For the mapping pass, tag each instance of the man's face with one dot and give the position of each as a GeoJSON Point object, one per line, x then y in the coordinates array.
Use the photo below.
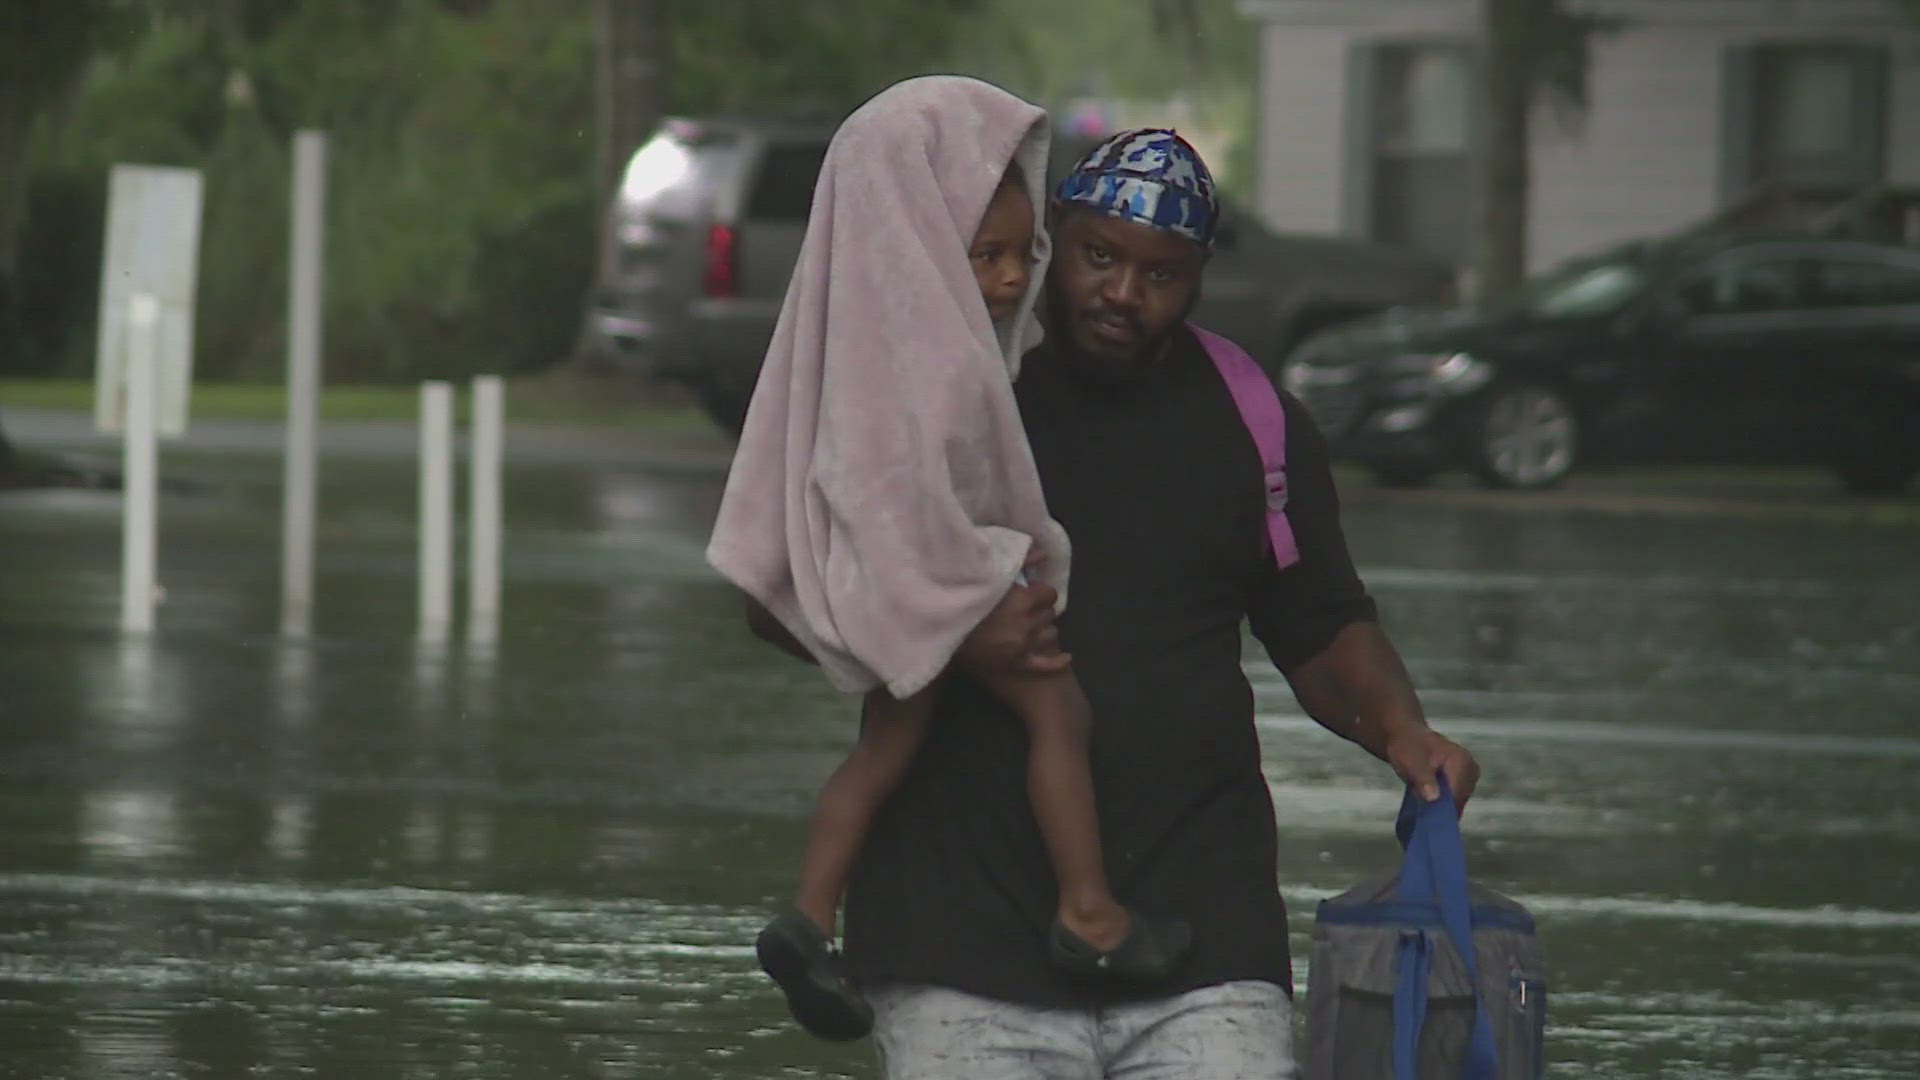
{"type": "Point", "coordinates": [1117, 289]}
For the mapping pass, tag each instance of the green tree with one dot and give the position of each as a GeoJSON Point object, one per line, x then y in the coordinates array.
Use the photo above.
{"type": "Point", "coordinates": [47, 45]}
{"type": "Point", "coordinates": [633, 52]}
{"type": "Point", "coordinates": [1056, 51]}
{"type": "Point", "coordinates": [468, 146]}
{"type": "Point", "coordinates": [813, 57]}
{"type": "Point", "coordinates": [1053, 50]}
{"type": "Point", "coordinates": [459, 178]}
{"type": "Point", "coordinates": [1532, 50]}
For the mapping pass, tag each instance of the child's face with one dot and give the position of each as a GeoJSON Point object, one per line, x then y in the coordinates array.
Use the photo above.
{"type": "Point", "coordinates": [1002, 251]}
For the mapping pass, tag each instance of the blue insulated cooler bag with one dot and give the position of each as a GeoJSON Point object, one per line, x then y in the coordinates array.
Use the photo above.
{"type": "Point", "coordinates": [1421, 976]}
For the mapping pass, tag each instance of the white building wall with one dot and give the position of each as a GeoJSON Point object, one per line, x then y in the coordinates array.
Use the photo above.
{"type": "Point", "coordinates": [1645, 156]}
{"type": "Point", "coordinates": [1300, 142]}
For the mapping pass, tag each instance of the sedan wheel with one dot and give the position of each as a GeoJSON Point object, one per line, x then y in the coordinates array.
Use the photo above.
{"type": "Point", "coordinates": [1526, 438]}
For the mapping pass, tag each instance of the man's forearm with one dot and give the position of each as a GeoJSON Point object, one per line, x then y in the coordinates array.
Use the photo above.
{"type": "Point", "coordinates": [1017, 637]}
{"type": "Point", "coordinates": [1358, 688]}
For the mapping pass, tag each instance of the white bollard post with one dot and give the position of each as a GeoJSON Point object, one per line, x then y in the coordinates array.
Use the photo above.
{"type": "Point", "coordinates": [303, 383]}
{"type": "Point", "coordinates": [436, 510]}
{"type": "Point", "coordinates": [483, 534]}
{"type": "Point", "coordinates": [142, 474]}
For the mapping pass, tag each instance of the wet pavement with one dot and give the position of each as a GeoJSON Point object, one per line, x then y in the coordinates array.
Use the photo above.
{"type": "Point", "coordinates": [225, 854]}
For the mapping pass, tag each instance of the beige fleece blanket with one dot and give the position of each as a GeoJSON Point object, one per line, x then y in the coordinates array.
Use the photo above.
{"type": "Point", "coordinates": [883, 496]}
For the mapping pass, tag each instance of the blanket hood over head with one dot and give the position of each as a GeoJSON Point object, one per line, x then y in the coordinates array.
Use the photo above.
{"type": "Point", "coordinates": [883, 496]}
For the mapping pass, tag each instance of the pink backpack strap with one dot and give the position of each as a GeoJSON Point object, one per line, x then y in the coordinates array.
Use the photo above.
{"type": "Point", "coordinates": [1266, 420]}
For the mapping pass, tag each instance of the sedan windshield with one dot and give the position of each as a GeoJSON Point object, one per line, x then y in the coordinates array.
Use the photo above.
{"type": "Point", "coordinates": [1581, 290]}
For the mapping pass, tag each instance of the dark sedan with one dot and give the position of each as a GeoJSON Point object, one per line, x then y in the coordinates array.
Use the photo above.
{"type": "Point", "coordinates": [1755, 351]}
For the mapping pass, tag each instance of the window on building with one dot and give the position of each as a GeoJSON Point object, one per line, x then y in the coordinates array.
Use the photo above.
{"type": "Point", "coordinates": [1819, 114]}
{"type": "Point", "coordinates": [1422, 168]}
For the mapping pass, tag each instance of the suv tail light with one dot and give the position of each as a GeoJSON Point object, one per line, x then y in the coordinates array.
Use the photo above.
{"type": "Point", "coordinates": [721, 278]}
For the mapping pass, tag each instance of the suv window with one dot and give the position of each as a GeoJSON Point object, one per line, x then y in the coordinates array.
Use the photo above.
{"type": "Point", "coordinates": [1864, 283]}
{"type": "Point", "coordinates": [783, 187]}
{"type": "Point", "coordinates": [1743, 287]}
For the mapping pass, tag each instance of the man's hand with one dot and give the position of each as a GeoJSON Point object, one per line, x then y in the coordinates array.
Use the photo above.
{"type": "Point", "coordinates": [1018, 636]}
{"type": "Point", "coordinates": [1419, 754]}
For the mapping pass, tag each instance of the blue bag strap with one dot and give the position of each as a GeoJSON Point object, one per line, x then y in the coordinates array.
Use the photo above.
{"type": "Point", "coordinates": [1266, 420]}
{"type": "Point", "coordinates": [1434, 871]}
{"type": "Point", "coordinates": [1412, 964]}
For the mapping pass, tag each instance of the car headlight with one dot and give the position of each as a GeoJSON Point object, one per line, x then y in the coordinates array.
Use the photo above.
{"type": "Point", "coordinates": [1293, 378]}
{"type": "Point", "coordinates": [1301, 377]}
{"type": "Point", "coordinates": [1448, 373]}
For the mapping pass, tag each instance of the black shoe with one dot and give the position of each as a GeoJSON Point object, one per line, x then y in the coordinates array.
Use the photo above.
{"type": "Point", "coordinates": [1153, 949]}
{"type": "Point", "coordinates": [794, 951]}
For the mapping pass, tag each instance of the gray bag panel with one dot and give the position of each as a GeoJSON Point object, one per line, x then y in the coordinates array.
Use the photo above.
{"type": "Point", "coordinates": [1350, 988]}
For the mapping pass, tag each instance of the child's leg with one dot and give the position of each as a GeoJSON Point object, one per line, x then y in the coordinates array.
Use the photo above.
{"type": "Point", "coordinates": [891, 732]}
{"type": "Point", "coordinates": [796, 947]}
{"type": "Point", "coordinates": [1060, 785]}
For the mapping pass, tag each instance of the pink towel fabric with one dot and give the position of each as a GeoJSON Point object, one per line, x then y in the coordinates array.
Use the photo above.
{"type": "Point", "coordinates": [883, 497]}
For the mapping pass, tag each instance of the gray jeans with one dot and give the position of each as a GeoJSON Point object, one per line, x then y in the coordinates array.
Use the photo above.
{"type": "Point", "coordinates": [1234, 1031]}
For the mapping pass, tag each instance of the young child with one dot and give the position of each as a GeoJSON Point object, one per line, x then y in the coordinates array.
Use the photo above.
{"type": "Point", "coordinates": [883, 499]}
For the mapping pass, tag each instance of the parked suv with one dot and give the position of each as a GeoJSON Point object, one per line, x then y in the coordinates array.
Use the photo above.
{"type": "Point", "coordinates": [709, 219]}
{"type": "Point", "coordinates": [1750, 351]}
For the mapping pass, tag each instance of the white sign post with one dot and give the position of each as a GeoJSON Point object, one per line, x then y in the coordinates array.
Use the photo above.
{"type": "Point", "coordinates": [303, 383]}
{"type": "Point", "coordinates": [139, 526]}
{"type": "Point", "coordinates": [483, 535]}
{"type": "Point", "coordinates": [153, 249]}
{"type": "Point", "coordinates": [436, 510]}
{"type": "Point", "coordinates": [143, 366]}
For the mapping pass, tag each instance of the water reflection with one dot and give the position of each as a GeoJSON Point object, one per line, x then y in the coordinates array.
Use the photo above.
{"type": "Point", "coordinates": [132, 692]}
{"type": "Point", "coordinates": [130, 825]}
{"type": "Point", "coordinates": [430, 678]}
{"type": "Point", "coordinates": [291, 700]}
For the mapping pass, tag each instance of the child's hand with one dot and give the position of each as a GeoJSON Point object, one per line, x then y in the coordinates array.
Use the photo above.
{"type": "Point", "coordinates": [1044, 655]}
{"type": "Point", "coordinates": [1018, 637]}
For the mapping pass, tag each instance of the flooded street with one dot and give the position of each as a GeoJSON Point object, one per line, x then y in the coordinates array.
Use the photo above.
{"type": "Point", "coordinates": [224, 854]}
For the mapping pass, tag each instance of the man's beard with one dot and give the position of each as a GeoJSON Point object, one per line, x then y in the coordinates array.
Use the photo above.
{"type": "Point", "coordinates": [1112, 371]}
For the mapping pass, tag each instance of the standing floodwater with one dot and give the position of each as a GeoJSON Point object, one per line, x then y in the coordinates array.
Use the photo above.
{"type": "Point", "coordinates": [222, 854]}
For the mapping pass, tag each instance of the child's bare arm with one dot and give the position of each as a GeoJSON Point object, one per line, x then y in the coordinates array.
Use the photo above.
{"type": "Point", "coordinates": [770, 630]}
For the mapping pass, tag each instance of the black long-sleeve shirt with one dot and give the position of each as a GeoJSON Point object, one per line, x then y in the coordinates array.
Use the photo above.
{"type": "Point", "coordinates": [1160, 488]}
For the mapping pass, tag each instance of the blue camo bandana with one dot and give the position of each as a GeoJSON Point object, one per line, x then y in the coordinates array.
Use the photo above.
{"type": "Point", "coordinates": [1150, 176]}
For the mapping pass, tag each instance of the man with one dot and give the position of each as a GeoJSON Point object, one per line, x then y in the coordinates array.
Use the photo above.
{"type": "Point", "coordinates": [1146, 462]}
